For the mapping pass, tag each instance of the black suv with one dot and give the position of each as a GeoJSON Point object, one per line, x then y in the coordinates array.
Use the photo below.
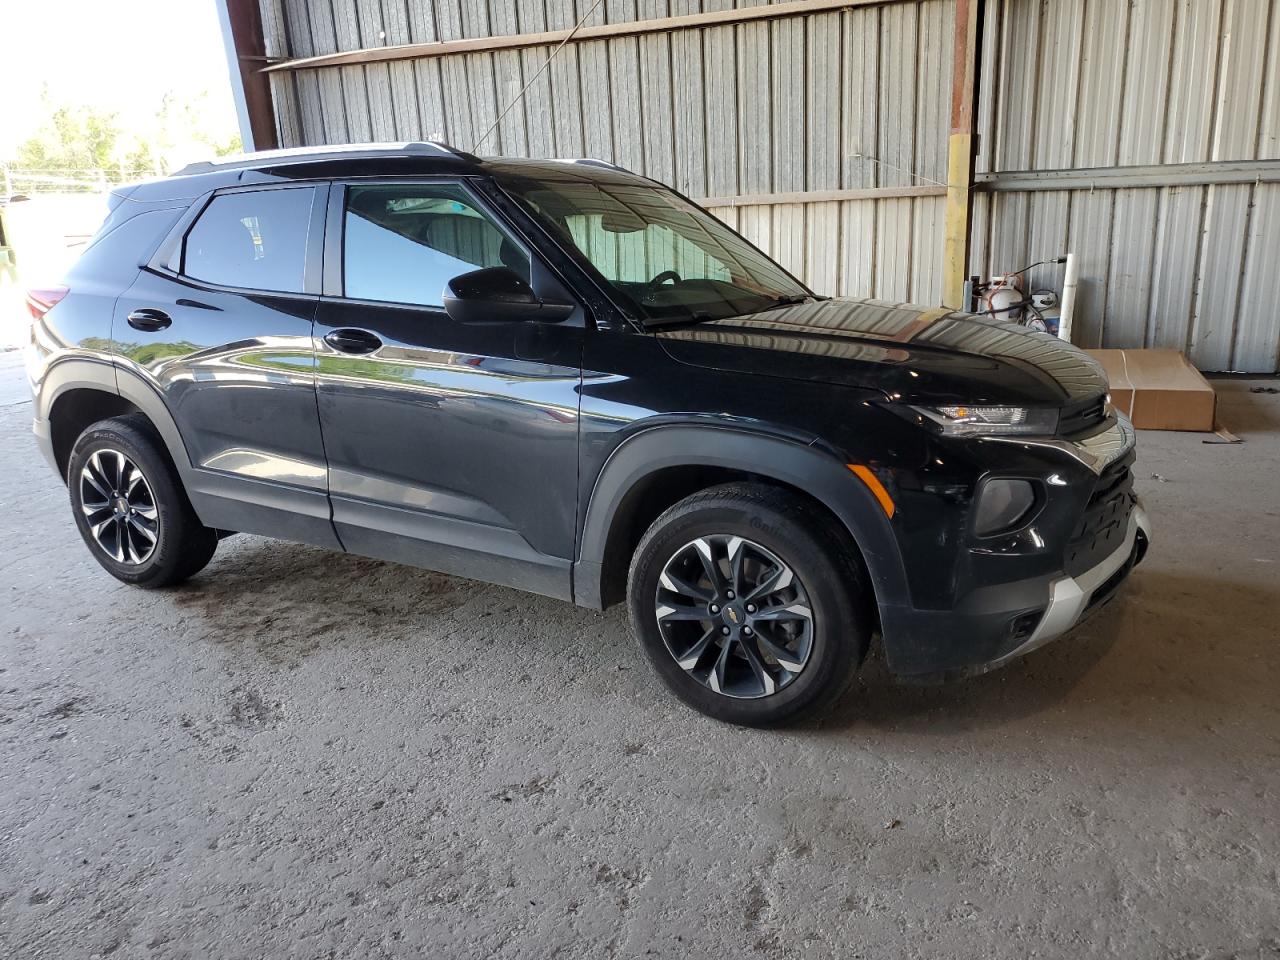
{"type": "Point", "coordinates": [566, 378]}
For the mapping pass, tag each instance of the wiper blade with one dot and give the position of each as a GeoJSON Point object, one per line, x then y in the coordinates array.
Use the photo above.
{"type": "Point", "coordinates": [786, 300]}
{"type": "Point", "coordinates": [670, 323]}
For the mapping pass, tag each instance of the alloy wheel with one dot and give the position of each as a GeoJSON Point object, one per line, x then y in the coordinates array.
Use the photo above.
{"type": "Point", "coordinates": [734, 616]}
{"type": "Point", "coordinates": [119, 507]}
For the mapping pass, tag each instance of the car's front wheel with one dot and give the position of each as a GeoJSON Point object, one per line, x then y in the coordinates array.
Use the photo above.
{"type": "Point", "coordinates": [749, 606]}
{"type": "Point", "coordinates": [130, 507]}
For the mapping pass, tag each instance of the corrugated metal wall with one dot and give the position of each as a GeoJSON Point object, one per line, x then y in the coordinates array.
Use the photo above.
{"type": "Point", "coordinates": [728, 114]}
{"type": "Point", "coordinates": [1074, 84]}
{"type": "Point", "coordinates": [746, 116]}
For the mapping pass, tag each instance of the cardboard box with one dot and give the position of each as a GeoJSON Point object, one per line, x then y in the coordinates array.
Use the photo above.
{"type": "Point", "coordinates": [1158, 389]}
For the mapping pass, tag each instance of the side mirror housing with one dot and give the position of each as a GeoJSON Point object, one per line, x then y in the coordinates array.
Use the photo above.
{"type": "Point", "coordinates": [498, 295]}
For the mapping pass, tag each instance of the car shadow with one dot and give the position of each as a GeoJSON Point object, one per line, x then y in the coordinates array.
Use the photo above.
{"type": "Point", "coordinates": [1162, 639]}
{"type": "Point", "coordinates": [1166, 639]}
{"type": "Point", "coordinates": [284, 602]}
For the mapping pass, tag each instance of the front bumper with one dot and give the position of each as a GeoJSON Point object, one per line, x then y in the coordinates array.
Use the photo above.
{"type": "Point", "coordinates": [995, 600]}
{"type": "Point", "coordinates": [1072, 599]}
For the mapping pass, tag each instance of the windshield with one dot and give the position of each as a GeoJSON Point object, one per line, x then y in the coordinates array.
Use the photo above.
{"type": "Point", "coordinates": [668, 261]}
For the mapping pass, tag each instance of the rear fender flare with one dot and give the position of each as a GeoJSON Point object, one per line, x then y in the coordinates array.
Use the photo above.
{"type": "Point", "coordinates": [83, 374]}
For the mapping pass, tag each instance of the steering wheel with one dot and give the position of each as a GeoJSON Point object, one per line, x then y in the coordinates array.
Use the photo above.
{"type": "Point", "coordinates": [660, 279]}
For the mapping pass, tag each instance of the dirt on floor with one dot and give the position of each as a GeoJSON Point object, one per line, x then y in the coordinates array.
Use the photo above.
{"type": "Point", "coordinates": [305, 754]}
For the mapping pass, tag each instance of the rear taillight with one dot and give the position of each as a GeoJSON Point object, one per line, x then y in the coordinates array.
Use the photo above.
{"type": "Point", "coordinates": [41, 300]}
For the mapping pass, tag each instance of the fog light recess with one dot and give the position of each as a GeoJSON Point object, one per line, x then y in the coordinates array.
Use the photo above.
{"type": "Point", "coordinates": [1003, 503]}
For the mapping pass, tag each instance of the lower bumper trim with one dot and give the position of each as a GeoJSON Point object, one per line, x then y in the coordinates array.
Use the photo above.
{"type": "Point", "coordinates": [1071, 598]}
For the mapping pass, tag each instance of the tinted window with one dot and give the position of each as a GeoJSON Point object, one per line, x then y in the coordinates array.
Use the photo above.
{"type": "Point", "coordinates": [256, 240]}
{"type": "Point", "coordinates": [670, 260]}
{"type": "Point", "coordinates": [403, 243]}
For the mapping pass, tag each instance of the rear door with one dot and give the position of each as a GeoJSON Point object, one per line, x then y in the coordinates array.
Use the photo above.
{"type": "Point", "coordinates": [220, 323]}
{"type": "Point", "coordinates": [450, 446]}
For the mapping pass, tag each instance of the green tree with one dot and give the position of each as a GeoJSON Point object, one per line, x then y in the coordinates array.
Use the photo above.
{"type": "Point", "coordinates": [87, 144]}
{"type": "Point", "coordinates": [75, 142]}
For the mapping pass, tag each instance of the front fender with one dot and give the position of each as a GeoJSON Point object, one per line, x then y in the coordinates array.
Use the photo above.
{"type": "Point", "coordinates": [795, 464]}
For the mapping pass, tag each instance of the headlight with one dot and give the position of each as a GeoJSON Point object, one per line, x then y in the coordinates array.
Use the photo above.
{"type": "Point", "coordinates": [966, 421]}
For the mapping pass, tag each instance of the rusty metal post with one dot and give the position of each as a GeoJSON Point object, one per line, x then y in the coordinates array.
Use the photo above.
{"type": "Point", "coordinates": [241, 22]}
{"type": "Point", "coordinates": [961, 150]}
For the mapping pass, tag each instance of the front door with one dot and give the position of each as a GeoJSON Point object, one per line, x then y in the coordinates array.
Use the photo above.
{"type": "Point", "coordinates": [450, 446]}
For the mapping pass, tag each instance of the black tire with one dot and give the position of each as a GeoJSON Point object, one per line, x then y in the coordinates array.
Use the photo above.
{"type": "Point", "coordinates": [182, 545]}
{"type": "Point", "coordinates": [828, 584]}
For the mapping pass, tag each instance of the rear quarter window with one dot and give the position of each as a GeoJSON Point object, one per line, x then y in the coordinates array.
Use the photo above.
{"type": "Point", "coordinates": [253, 239]}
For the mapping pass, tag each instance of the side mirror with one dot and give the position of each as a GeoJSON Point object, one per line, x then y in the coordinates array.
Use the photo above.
{"type": "Point", "coordinates": [498, 295]}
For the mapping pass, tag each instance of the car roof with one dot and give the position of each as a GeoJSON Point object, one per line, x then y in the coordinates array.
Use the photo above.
{"type": "Point", "coordinates": [267, 159]}
{"type": "Point", "coordinates": [417, 158]}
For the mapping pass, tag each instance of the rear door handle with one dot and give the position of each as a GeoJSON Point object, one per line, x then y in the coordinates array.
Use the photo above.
{"type": "Point", "coordinates": [352, 340]}
{"type": "Point", "coordinates": [149, 319]}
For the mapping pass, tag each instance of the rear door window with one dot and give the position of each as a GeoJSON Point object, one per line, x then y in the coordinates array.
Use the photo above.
{"type": "Point", "coordinates": [254, 239]}
{"type": "Point", "coordinates": [403, 243]}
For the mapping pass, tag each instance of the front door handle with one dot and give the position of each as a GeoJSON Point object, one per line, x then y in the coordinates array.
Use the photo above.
{"type": "Point", "coordinates": [352, 340]}
{"type": "Point", "coordinates": [149, 319]}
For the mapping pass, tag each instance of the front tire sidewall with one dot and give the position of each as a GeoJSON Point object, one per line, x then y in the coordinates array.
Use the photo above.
{"type": "Point", "coordinates": [838, 636]}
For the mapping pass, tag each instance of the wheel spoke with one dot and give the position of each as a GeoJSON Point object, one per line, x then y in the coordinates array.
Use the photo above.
{"type": "Point", "coordinates": [689, 660]}
{"type": "Point", "coordinates": [93, 475]}
{"type": "Point", "coordinates": [138, 525]}
{"type": "Point", "coordinates": [116, 547]}
{"type": "Point", "coordinates": [780, 579]}
{"type": "Point", "coordinates": [706, 554]}
{"type": "Point", "coordinates": [135, 478]}
{"type": "Point", "coordinates": [670, 614]}
{"type": "Point", "coordinates": [792, 611]}
{"type": "Point", "coordinates": [126, 538]}
{"type": "Point", "coordinates": [736, 553]}
{"type": "Point", "coordinates": [758, 666]}
{"type": "Point", "coordinates": [678, 585]}
{"type": "Point", "coordinates": [145, 510]}
{"type": "Point", "coordinates": [716, 679]}
{"type": "Point", "coordinates": [95, 513]}
{"type": "Point", "coordinates": [786, 659]}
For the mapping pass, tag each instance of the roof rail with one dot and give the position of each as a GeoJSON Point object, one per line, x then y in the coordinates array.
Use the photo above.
{"type": "Point", "coordinates": [343, 151]}
{"type": "Point", "coordinates": [594, 162]}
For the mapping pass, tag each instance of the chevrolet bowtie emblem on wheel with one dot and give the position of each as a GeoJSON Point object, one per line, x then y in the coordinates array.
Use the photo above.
{"type": "Point", "coordinates": [733, 614]}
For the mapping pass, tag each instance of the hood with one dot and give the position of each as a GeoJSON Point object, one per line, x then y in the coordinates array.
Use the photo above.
{"type": "Point", "coordinates": [908, 353]}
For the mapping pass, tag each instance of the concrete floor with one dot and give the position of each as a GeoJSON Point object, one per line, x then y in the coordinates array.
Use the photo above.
{"type": "Point", "coordinates": [302, 754]}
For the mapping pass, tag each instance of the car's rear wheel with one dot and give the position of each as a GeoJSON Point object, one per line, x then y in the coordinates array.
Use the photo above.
{"type": "Point", "coordinates": [130, 507]}
{"type": "Point", "coordinates": [748, 605]}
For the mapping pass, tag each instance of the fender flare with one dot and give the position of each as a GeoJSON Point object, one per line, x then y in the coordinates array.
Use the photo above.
{"type": "Point", "coordinates": [79, 373]}
{"type": "Point", "coordinates": [799, 465]}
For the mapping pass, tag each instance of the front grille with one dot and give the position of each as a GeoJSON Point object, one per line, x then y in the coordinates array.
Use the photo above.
{"type": "Point", "coordinates": [1102, 527]}
{"type": "Point", "coordinates": [1076, 418]}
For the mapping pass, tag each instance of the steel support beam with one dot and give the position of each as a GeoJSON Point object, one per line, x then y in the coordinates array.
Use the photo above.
{"type": "Point", "coordinates": [820, 196]}
{"type": "Point", "coordinates": [961, 149]}
{"type": "Point", "coordinates": [604, 31]}
{"type": "Point", "coordinates": [241, 22]}
{"type": "Point", "coordinates": [1117, 178]}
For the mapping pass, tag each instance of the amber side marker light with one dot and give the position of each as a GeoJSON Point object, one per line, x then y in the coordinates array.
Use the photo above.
{"type": "Point", "coordinates": [874, 485]}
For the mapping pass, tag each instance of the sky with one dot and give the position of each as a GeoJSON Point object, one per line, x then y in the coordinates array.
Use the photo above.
{"type": "Point", "coordinates": [122, 55]}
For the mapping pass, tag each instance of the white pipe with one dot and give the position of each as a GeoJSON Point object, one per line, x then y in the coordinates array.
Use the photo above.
{"type": "Point", "coordinates": [1068, 298]}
